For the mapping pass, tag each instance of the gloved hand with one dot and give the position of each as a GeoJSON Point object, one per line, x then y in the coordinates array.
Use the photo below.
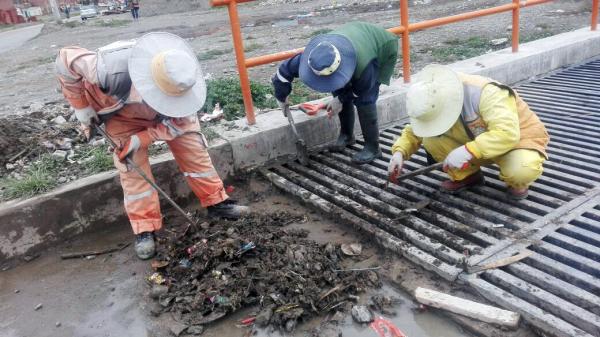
{"type": "Point", "coordinates": [395, 166]}
{"type": "Point", "coordinates": [459, 158]}
{"type": "Point", "coordinates": [334, 106]}
{"type": "Point", "coordinates": [282, 105]}
{"type": "Point", "coordinates": [135, 142]}
{"type": "Point", "coordinates": [86, 115]}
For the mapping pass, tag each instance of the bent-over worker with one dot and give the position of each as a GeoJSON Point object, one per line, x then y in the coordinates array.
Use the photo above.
{"type": "Point", "coordinates": [351, 62]}
{"type": "Point", "coordinates": [468, 121]}
{"type": "Point", "coordinates": [144, 91]}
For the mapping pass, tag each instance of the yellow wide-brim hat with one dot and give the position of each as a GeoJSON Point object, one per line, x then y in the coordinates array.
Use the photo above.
{"type": "Point", "coordinates": [434, 101]}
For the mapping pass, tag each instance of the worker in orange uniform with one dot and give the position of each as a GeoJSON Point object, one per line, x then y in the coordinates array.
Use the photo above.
{"type": "Point", "coordinates": [468, 121]}
{"type": "Point", "coordinates": [146, 90]}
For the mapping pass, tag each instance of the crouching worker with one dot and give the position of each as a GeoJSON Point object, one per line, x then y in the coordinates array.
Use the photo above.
{"type": "Point", "coordinates": [351, 63]}
{"type": "Point", "coordinates": [468, 121]}
{"type": "Point", "coordinates": [143, 91]}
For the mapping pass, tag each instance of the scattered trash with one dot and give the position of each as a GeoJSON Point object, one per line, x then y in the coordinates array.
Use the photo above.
{"type": "Point", "coordinates": [58, 324]}
{"type": "Point", "coordinates": [217, 113]}
{"type": "Point", "coordinates": [384, 304]}
{"type": "Point", "coordinates": [155, 264]}
{"type": "Point", "coordinates": [253, 261]}
{"type": "Point", "coordinates": [361, 314]}
{"type": "Point", "coordinates": [38, 307]}
{"type": "Point", "coordinates": [195, 330]}
{"type": "Point", "coordinates": [177, 328]}
{"type": "Point", "coordinates": [385, 328]}
{"type": "Point", "coordinates": [351, 249]}
{"type": "Point", "coordinates": [482, 312]}
{"type": "Point", "coordinates": [158, 290]}
{"type": "Point", "coordinates": [229, 189]}
{"type": "Point", "coordinates": [248, 321]}
{"type": "Point", "coordinates": [498, 42]}
{"type": "Point", "coordinates": [156, 278]}
{"type": "Point", "coordinates": [75, 255]}
{"type": "Point", "coordinates": [185, 263]}
{"type": "Point", "coordinates": [60, 154]}
{"type": "Point", "coordinates": [17, 291]}
{"type": "Point", "coordinates": [29, 258]}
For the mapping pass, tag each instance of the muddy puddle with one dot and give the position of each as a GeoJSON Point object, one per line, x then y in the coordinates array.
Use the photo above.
{"type": "Point", "coordinates": [108, 295]}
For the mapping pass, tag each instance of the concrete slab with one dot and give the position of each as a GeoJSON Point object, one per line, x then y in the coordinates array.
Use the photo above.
{"type": "Point", "coordinates": [30, 225]}
{"type": "Point", "coordinates": [14, 38]}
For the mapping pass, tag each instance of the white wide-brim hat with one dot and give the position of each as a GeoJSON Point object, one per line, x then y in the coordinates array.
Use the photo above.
{"type": "Point", "coordinates": [434, 101]}
{"type": "Point", "coordinates": [179, 89]}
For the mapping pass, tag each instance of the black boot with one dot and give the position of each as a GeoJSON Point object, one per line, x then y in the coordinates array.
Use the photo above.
{"type": "Point", "coordinates": [346, 136]}
{"type": "Point", "coordinates": [367, 115]}
{"type": "Point", "coordinates": [228, 209]}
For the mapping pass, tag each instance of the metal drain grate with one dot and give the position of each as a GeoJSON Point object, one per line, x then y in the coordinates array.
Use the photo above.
{"type": "Point", "coordinates": [557, 289]}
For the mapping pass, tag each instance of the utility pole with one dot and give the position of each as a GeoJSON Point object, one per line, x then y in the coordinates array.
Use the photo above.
{"type": "Point", "coordinates": [54, 8]}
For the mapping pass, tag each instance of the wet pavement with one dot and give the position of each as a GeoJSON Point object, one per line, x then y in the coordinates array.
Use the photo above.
{"type": "Point", "coordinates": [107, 295]}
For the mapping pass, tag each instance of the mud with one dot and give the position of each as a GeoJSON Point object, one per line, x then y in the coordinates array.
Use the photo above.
{"type": "Point", "coordinates": [256, 261]}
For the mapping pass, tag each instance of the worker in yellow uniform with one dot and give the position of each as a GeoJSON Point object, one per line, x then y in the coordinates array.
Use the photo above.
{"type": "Point", "coordinates": [468, 121]}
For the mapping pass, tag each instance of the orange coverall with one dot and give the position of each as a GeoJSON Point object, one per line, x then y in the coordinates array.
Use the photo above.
{"type": "Point", "coordinates": [79, 83]}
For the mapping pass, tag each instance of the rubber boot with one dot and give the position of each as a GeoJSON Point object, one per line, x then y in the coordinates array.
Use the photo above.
{"type": "Point", "coordinates": [346, 136]}
{"type": "Point", "coordinates": [453, 187]}
{"type": "Point", "coordinates": [228, 209]}
{"type": "Point", "coordinates": [367, 115]}
{"type": "Point", "coordinates": [144, 245]}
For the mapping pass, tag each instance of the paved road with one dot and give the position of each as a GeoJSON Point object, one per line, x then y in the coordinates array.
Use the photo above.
{"type": "Point", "coordinates": [14, 38]}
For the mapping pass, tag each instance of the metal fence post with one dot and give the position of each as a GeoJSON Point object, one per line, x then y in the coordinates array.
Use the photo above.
{"type": "Point", "coordinates": [515, 25]}
{"type": "Point", "coordinates": [405, 41]}
{"type": "Point", "coordinates": [595, 14]}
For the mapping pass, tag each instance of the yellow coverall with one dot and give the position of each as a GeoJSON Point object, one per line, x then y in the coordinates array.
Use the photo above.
{"type": "Point", "coordinates": [519, 167]}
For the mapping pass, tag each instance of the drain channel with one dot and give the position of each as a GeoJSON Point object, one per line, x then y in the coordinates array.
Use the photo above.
{"type": "Point", "coordinates": [557, 288]}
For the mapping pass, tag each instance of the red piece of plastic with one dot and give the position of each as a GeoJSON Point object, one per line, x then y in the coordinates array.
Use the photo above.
{"type": "Point", "coordinates": [312, 109]}
{"type": "Point", "coordinates": [229, 189]}
{"type": "Point", "coordinates": [385, 328]}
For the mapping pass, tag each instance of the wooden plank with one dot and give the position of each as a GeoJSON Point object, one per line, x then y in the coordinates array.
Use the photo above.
{"type": "Point", "coordinates": [501, 262]}
{"type": "Point", "coordinates": [457, 305]}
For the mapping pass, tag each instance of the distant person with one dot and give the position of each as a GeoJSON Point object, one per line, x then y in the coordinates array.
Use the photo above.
{"type": "Point", "coordinates": [351, 62]}
{"type": "Point", "coordinates": [467, 121]}
{"type": "Point", "coordinates": [68, 11]}
{"type": "Point", "coordinates": [135, 9]}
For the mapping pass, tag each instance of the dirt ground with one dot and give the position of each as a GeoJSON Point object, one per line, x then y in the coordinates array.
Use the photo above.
{"type": "Point", "coordinates": [26, 73]}
{"type": "Point", "coordinates": [109, 295]}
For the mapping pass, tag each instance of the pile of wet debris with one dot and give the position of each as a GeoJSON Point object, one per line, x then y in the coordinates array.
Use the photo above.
{"type": "Point", "coordinates": [258, 261]}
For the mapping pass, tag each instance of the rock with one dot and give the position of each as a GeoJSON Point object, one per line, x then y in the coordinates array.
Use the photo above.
{"type": "Point", "coordinates": [10, 166]}
{"type": "Point", "coordinates": [37, 106]}
{"type": "Point", "coordinates": [60, 120]}
{"type": "Point", "coordinates": [155, 309]}
{"type": "Point", "coordinates": [38, 307]}
{"type": "Point", "coordinates": [338, 317]}
{"type": "Point", "coordinates": [17, 291]}
{"type": "Point", "coordinates": [327, 329]}
{"type": "Point", "coordinates": [58, 324]}
{"type": "Point", "coordinates": [195, 330]}
{"type": "Point", "coordinates": [90, 257]}
{"type": "Point", "coordinates": [62, 180]}
{"type": "Point", "coordinates": [290, 325]}
{"type": "Point", "coordinates": [177, 328]}
{"type": "Point", "coordinates": [351, 249]}
{"type": "Point", "coordinates": [498, 42]}
{"type": "Point", "coordinates": [98, 142]}
{"type": "Point", "coordinates": [362, 314]}
{"type": "Point", "coordinates": [264, 317]}
{"type": "Point", "coordinates": [158, 290]}
{"type": "Point", "coordinates": [60, 154]}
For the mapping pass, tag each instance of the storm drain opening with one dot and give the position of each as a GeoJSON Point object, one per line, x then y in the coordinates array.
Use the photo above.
{"type": "Point", "coordinates": [557, 288]}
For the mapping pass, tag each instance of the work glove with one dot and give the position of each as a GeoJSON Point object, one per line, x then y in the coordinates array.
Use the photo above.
{"type": "Point", "coordinates": [459, 158]}
{"type": "Point", "coordinates": [86, 116]}
{"type": "Point", "coordinates": [134, 143]}
{"type": "Point", "coordinates": [334, 107]}
{"type": "Point", "coordinates": [395, 166]}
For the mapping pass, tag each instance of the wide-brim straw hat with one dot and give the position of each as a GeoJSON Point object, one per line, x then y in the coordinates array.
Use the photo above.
{"type": "Point", "coordinates": [165, 71]}
{"type": "Point", "coordinates": [434, 101]}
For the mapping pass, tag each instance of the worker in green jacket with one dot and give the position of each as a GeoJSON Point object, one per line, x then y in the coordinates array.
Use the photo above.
{"type": "Point", "coordinates": [350, 62]}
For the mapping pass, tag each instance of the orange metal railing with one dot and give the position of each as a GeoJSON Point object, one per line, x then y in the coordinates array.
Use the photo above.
{"type": "Point", "coordinates": [403, 30]}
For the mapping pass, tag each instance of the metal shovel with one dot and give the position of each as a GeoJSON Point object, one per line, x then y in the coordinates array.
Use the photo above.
{"type": "Point", "coordinates": [300, 144]}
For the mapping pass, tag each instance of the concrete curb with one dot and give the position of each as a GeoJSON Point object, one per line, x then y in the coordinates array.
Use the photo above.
{"type": "Point", "coordinates": [30, 225]}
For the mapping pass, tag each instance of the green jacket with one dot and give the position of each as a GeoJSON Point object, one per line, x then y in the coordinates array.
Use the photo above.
{"type": "Point", "coordinates": [372, 42]}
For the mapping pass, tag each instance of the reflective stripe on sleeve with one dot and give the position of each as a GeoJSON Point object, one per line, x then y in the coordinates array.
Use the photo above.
{"type": "Point", "coordinates": [281, 78]}
{"type": "Point", "coordinates": [134, 197]}
{"type": "Point", "coordinates": [206, 174]}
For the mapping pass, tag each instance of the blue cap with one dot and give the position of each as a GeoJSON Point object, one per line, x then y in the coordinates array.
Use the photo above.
{"type": "Point", "coordinates": [327, 63]}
